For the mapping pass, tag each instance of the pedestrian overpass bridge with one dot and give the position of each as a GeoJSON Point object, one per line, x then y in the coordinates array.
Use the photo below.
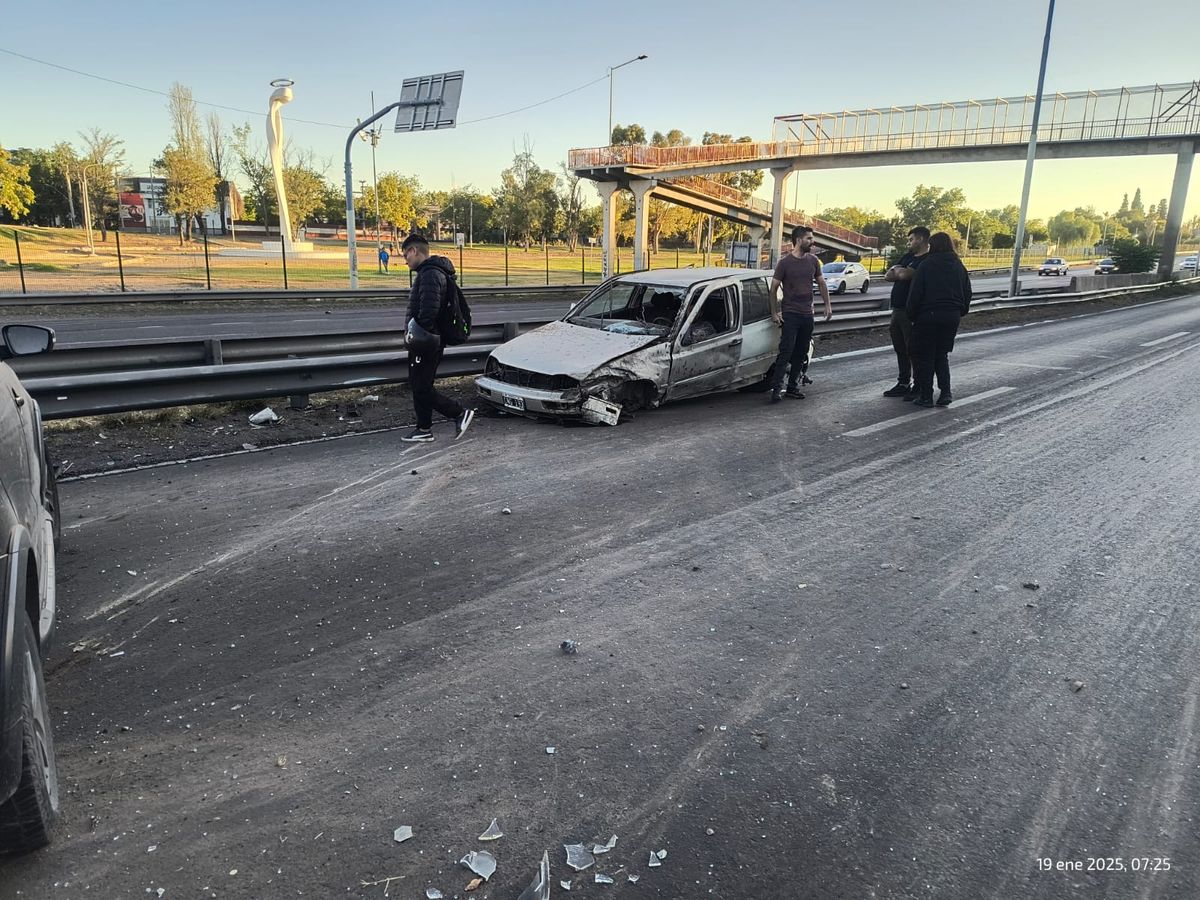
{"type": "Point", "coordinates": [1126, 121]}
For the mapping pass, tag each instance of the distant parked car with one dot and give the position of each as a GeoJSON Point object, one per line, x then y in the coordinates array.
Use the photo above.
{"type": "Point", "coordinates": [29, 530]}
{"type": "Point", "coordinates": [1188, 264]}
{"type": "Point", "coordinates": [1106, 266]}
{"type": "Point", "coordinates": [844, 276]}
{"type": "Point", "coordinates": [1054, 266]}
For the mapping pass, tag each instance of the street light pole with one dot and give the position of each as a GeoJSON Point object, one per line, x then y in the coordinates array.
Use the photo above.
{"type": "Point", "coordinates": [1019, 237]}
{"type": "Point", "coordinates": [611, 69]}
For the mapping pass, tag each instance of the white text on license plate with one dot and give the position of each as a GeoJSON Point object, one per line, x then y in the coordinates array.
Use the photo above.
{"type": "Point", "coordinates": [514, 402]}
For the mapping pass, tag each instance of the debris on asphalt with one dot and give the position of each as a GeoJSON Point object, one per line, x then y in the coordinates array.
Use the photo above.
{"type": "Point", "coordinates": [578, 857]}
{"type": "Point", "coordinates": [661, 854]}
{"type": "Point", "coordinates": [371, 398]}
{"type": "Point", "coordinates": [709, 832]}
{"type": "Point", "coordinates": [904, 685]}
{"type": "Point", "coordinates": [539, 888]}
{"type": "Point", "coordinates": [1077, 686]}
{"type": "Point", "coordinates": [569, 647]}
{"type": "Point", "coordinates": [655, 862]}
{"type": "Point", "coordinates": [634, 879]}
{"type": "Point", "coordinates": [493, 832]}
{"type": "Point", "coordinates": [433, 893]}
{"type": "Point", "coordinates": [763, 740]}
{"type": "Point", "coordinates": [281, 762]}
{"type": "Point", "coordinates": [601, 878]}
{"type": "Point", "coordinates": [550, 751]}
{"type": "Point", "coordinates": [480, 862]}
{"type": "Point", "coordinates": [473, 884]}
{"type": "Point", "coordinates": [265, 417]}
{"type": "Point", "coordinates": [402, 834]}
{"type": "Point", "coordinates": [598, 849]}
{"type": "Point", "coordinates": [506, 511]}
{"type": "Point", "coordinates": [700, 728]}
{"type": "Point", "coordinates": [1030, 585]}
{"type": "Point", "coordinates": [249, 446]}
{"type": "Point", "coordinates": [565, 885]}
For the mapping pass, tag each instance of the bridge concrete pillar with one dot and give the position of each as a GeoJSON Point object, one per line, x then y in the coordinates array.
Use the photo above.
{"type": "Point", "coordinates": [756, 236]}
{"type": "Point", "coordinates": [780, 176]}
{"type": "Point", "coordinates": [608, 226]}
{"type": "Point", "coordinates": [1179, 188]}
{"type": "Point", "coordinates": [641, 217]}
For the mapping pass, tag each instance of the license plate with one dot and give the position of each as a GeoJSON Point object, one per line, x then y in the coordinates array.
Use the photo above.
{"type": "Point", "coordinates": [514, 402]}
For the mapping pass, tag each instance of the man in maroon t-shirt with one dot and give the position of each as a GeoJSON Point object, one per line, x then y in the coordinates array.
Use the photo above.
{"type": "Point", "coordinates": [796, 273]}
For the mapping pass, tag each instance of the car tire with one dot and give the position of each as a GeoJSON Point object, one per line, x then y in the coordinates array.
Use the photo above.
{"type": "Point", "coordinates": [27, 818]}
{"type": "Point", "coordinates": [841, 288]}
{"type": "Point", "coordinates": [865, 286]}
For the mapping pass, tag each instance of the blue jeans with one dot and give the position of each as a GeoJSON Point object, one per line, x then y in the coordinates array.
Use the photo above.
{"type": "Point", "coordinates": [793, 350]}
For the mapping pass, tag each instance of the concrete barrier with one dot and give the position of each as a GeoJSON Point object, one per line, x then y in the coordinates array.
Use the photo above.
{"type": "Point", "coordinates": [1081, 283]}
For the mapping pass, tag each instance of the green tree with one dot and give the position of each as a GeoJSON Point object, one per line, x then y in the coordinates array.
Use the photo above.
{"type": "Point", "coordinates": [526, 202]}
{"type": "Point", "coordinates": [1073, 228]}
{"type": "Point", "coordinates": [1133, 257]}
{"type": "Point", "coordinates": [216, 145]}
{"type": "Point", "coordinates": [570, 202]}
{"type": "Point", "coordinates": [190, 182]}
{"type": "Point", "coordinates": [1124, 204]}
{"type": "Point", "coordinates": [1137, 205]}
{"type": "Point", "coordinates": [748, 181]}
{"type": "Point", "coordinates": [256, 169]}
{"type": "Point", "coordinates": [103, 158]}
{"type": "Point", "coordinates": [51, 199]}
{"type": "Point", "coordinates": [306, 192]}
{"type": "Point", "coordinates": [15, 192]}
{"type": "Point", "coordinates": [398, 196]}
{"type": "Point", "coordinates": [935, 208]}
{"type": "Point", "coordinates": [628, 135]}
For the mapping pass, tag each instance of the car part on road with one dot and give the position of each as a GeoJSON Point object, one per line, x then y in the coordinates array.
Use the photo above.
{"type": "Point", "coordinates": [578, 857]}
{"type": "Point", "coordinates": [481, 863]}
{"type": "Point", "coordinates": [539, 887]}
{"type": "Point", "coordinates": [492, 833]}
{"type": "Point", "coordinates": [569, 647]}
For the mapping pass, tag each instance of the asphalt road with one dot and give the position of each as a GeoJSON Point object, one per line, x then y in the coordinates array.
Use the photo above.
{"type": "Point", "coordinates": [230, 323]}
{"type": "Point", "coordinates": [807, 666]}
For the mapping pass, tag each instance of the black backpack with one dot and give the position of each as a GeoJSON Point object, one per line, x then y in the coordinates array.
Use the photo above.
{"type": "Point", "coordinates": [454, 318]}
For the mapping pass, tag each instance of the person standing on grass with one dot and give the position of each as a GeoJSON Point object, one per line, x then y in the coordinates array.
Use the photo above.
{"type": "Point", "coordinates": [939, 297]}
{"type": "Point", "coordinates": [425, 301]}
{"type": "Point", "coordinates": [796, 274]}
{"type": "Point", "coordinates": [901, 276]}
{"type": "Point", "coordinates": [384, 257]}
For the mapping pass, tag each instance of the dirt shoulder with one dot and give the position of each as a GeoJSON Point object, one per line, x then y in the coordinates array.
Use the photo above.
{"type": "Point", "coordinates": [109, 443]}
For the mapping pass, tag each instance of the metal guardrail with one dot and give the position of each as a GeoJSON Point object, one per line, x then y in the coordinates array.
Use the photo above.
{"type": "Point", "coordinates": [97, 379]}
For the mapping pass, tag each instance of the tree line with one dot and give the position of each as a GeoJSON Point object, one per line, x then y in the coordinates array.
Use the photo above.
{"type": "Point", "coordinates": [204, 166]}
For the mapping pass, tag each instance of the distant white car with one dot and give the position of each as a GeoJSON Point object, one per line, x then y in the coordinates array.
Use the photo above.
{"type": "Point", "coordinates": [1189, 263]}
{"type": "Point", "coordinates": [843, 276]}
{"type": "Point", "coordinates": [1054, 266]}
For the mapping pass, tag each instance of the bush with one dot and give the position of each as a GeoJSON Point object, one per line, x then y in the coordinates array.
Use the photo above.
{"type": "Point", "coordinates": [1132, 257]}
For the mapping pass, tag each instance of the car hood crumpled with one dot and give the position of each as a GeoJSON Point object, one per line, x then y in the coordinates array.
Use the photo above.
{"type": "Point", "coordinates": [561, 348]}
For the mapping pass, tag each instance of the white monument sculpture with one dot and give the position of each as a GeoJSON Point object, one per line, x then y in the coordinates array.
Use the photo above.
{"type": "Point", "coordinates": [284, 246]}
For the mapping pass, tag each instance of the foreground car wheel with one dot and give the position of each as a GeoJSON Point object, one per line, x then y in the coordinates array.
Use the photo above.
{"type": "Point", "coordinates": [841, 288]}
{"type": "Point", "coordinates": [865, 285]}
{"type": "Point", "coordinates": [28, 817]}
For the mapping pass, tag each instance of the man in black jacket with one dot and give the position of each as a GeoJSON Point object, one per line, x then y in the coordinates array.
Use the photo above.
{"type": "Point", "coordinates": [425, 301]}
{"type": "Point", "coordinates": [939, 297]}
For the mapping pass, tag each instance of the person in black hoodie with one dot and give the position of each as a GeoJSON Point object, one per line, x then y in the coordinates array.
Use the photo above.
{"type": "Point", "coordinates": [940, 295]}
{"type": "Point", "coordinates": [425, 301]}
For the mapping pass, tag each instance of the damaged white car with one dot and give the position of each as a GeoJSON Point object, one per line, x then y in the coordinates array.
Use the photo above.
{"type": "Point", "coordinates": [637, 341]}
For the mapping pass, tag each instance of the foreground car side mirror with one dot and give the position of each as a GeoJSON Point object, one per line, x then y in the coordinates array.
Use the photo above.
{"type": "Point", "coordinates": [26, 340]}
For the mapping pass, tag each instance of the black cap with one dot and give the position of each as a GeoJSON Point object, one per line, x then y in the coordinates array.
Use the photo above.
{"type": "Point", "coordinates": [414, 239]}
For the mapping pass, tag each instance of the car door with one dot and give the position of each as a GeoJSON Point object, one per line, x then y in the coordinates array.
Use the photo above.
{"type": "Point", "coordinates": [708, 363]}
{"type": "Point", "coordinates": [16, 446]}
{"type": "Point", "coordinates": [760, 334]}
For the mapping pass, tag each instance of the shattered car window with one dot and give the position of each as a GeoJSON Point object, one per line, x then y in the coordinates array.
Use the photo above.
{"type": "Point", "coordinates": [631, 308]}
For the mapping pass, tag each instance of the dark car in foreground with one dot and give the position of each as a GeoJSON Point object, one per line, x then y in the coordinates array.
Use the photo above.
{"type": "Point", "coordinates": [29, 529]}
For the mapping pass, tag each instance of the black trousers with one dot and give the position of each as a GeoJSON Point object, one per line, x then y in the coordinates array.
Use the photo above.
{"type": "Point", "coordinates": [793, 350]}
{"type": "Point", "coordinates": [901, 343]}
{"type": "Point", "coordinates": [932, 340]}
{"type": "Point", "coordinates": [422, 370]}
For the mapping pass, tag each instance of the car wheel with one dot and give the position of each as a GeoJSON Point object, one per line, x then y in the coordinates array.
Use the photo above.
{"type": "Point", "coordinates": [841, 288]}
{"type": "Point", "coordinates": [865, 286]}
{"type": "Point", "coordinates": [28, 817]}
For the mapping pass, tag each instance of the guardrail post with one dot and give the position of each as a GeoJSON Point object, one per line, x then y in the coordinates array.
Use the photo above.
{"type": "Point", "coordinates": [207, 267]}
{"type": "Point", "coordinates": [461, 279]}
{"type": "Point", "coordinates": [546, 247]}
{"type": "Point", "coordinates": [582, 265]}
{"type": "Point", "coordinates": [298, 401]}
{"type": "Point", "coordinates": [20, 262]}
{"type": "Point", "coordinates": [213, 354]}
{"type": "Point", "coordinates": [283, 255]}
{"type": "Point", "coordinates": [511, 330]}
{"type": "Point", "coordinates": [120, 260]}
{"type": "Point", "coordinates": [506, 259]}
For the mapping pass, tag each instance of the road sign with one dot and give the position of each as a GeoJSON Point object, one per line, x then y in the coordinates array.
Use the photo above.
{"type": "Point", "coordinates": [429, 102]}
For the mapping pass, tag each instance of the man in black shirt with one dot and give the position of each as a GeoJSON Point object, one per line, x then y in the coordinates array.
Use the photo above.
{"type": "Point", "coordinates": [901, 276]}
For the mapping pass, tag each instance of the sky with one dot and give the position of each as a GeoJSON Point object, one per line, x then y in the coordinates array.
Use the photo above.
{"type": "Point", "coordinates": [711, 66]}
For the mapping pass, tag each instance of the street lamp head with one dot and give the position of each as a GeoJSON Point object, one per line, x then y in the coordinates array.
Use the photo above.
{"type": "Point", "coordinates": [643, 56]}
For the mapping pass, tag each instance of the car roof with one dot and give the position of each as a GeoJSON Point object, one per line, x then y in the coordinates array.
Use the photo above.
{"type": "Point", "coordinates": [688, 277]}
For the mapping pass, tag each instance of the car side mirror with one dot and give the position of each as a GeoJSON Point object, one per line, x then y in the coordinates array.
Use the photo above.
{"type": "Point", "coordinates": [26, 340]}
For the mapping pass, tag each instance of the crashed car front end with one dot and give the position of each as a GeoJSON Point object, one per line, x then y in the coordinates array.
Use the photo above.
{"type": "Point", "coordinates": [610, 375]}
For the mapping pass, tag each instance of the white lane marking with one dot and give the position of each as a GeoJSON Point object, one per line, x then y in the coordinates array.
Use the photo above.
{"type": "Point", "coordinates": [1009, 362]}
{"type": "Point", "coordinates": [888, 423]}
{"type": "Point", "coordinates": [1162, 340]}
{"type": "Point", "coordinates": [146, 327]}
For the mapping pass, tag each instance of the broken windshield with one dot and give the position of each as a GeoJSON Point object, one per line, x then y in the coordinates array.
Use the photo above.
{"type": "Point", "coordinates": [627, 307]}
